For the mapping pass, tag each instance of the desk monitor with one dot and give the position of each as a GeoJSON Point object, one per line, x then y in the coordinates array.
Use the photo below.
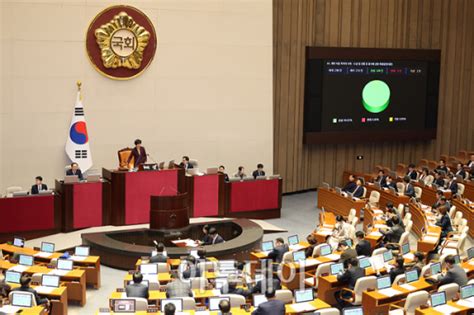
{"type": "Point", "coordinates": [293, 240]}
{"type": "Point", "coordinates": [435, 268]}
{"type": "Point", "coordinates": [65, 264]}
{"type": "Point", "coordinates": [45, 192]}
{"type": "Point", "coordinates": [82, 251]}
{"type": "Point", "coordinates": [467, 291]}
{"type": "Point", "coordinates": [68, 179]}
{"type": "Point", "coordinates": [348, 242]}
{"type": "Point", "coordinates": [337, 268]}
{"type": "Point", "coordinates": [353, 311]}
{"type": "Point", "coordinates": [411, 276]}
{"type": "Point", "coordinates": [364, 262]}
{"type": "Point", "coordinates": [12, 276]}
{"type": "Point", "coordinates": [50, 281]}
{"type": "Point", "coordinates": [384, 283]}
{"type": "Point", "coordinates": [299, 256]}
{"type": "Point", "coordinates": [387, 256]}
{"type": "Point", "coordinates": [325, 250]}
{"type": "Point", "coordinates": [149, 269]}
{"type": "Point", "coordinates": [47, 247]}
{"type": "Point", "coordinates": [302, 296]}
{"type": "Point", "coordinates": [22, 299]}
{"type": "Point", "coordinates": [214, 302]}
{"type": "Point", "coordinates": [93, 178]}
{"type": "Point", "coordinates": [258, 299]}
{"type": "Point", "coordinates": [267, 246]}
{"type": "Point", "coordinates": [26, 260]}
{"type": "Point", "coordinates": [405, 248]}
{"type": "Point", "coordinates": [438, 298]}
{"type": "Point", "coordinates": [20, 193]}
{"type": "Point", "coordinates": [470, 253]}
{"type": "Point", "coordinates": [123, 305]}
{"type": "Point", "coordinates": [178, 303]}
{"type": "Point", "coordinates": [18, 242]}
{"type": "Point", "coordinates": [212, 170]}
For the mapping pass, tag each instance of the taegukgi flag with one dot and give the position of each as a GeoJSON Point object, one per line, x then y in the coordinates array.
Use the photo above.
{"type": "Point", "coordinates": [77, 144]}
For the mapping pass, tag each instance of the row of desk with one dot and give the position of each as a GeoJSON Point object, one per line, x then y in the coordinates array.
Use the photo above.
{"type": "Point", "coordinates": [123, 198]}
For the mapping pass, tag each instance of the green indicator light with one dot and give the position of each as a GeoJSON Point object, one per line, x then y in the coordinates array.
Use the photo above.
{"type": "Point", "coordinates": [376, 96]}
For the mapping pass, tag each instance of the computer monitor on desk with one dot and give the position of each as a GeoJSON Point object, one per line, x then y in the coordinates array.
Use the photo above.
{"type": "Point", "coordinates": [69, 179]}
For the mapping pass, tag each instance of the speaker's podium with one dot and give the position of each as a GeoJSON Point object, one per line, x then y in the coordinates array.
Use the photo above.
{"type": "Point", "coordinates": [169, 212]}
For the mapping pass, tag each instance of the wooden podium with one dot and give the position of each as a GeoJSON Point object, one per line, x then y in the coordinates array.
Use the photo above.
{"type": "Point", "coordinates": [169, 212]}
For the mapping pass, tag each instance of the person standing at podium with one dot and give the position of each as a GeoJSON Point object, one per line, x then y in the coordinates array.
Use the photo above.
{"type": "Point", "coordinates": [38, 186]}
{"type": "Point", "coordinates": [138, 153]}
{"type": "Point", "coordinates": [75, 171]}
{"type": "Point", "coordinates": [185, 163]}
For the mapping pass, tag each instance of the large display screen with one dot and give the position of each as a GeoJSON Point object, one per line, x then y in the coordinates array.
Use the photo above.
{"type": "Point", "coordinates": [360, 94]}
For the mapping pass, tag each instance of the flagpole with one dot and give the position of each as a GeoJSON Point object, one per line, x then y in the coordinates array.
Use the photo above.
{"type": "Point", "coordinates": [79, 85]}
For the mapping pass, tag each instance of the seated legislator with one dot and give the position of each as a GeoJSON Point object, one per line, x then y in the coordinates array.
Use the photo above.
{"type": "Point", "coordinates": [452, 184]}
{"type": "Point", "coordinates": [398, 269]}
{"type": "Point", "coordinates": [232, 286]}
{"type": "Point", "coordinates": [259, 171]}
{"type": "Point", "coordinates": [470, 163]}
{"type": "Point", "coordinates": [224, 307]}
{"type": "Point", "coordinates": [312, 244]}
{"type": "Point", "coordinates": [222, 171]}
{"type": "Point", "coordinates": [269, 281]}
{"type": "Point", "coordinates": [418, 262]}
{"type": "Point", "coordinates": [439, 181]}
{"type": "Point", "coordinates": [75, 171]}
{"type": "Point", "coordinates": [444, 221]}
{"type": "Point", "coordinates": [425, 172]}
{"type": "Point", "coordinates": [278, 251]}
{"type": "Point", "coordinates": [341, 231]}
{"type": "Point", "coordinates": [411, 173]}
{"type": "Point", "coordinates": [409, 189]}
{"type": "Point", "coordinates": [170, 309]}
{"type": "Point", "coordinates": [359, 189]}
{"type": "Point", "coordinates": [381, 178]}
{"type": "Point", "coordinates": [240, 173]}
{"type": "Point", "coordinates": [4, 287]}
{"type": "Point", "coordinates": [347, 253]}
{"type": "Point", "coordinates": [38, 186]}
{"type": "Point", "coordinates": [442, 166]}
{"type": "Point", "coordinates": [178, 288]}
{"type": "Point", "coordinates": [349, 277]}
{"type": "Point", "coordinates": [272, 306]}
{"type": "Point", "coordinates": [215, 238]}
{"type": "Point", "coordinates": [202, 252]}
{"type": "Point", "coordinates": [189, 268]}
{"type": "Point", "coordinates": [25, 287]}
{"type": "Point", "coordinates": [438, 203]}
{"type": "Point", "coordinates": [137, 289]}
{"type": "Point", "coordinates": [160, 256]}
{"type": "Point", "coordinates": [185, 163]}
{"type": "Point", "coordinates": [363, 247]}
{"type": "Point", "coordinates": [351, 185]}
{"type": "Point", "coordinates": [389, 183]}
{"type": "Point", "coordinates": [206, 239]}
{"type": "Point", "coordinates": [394, 233]}
{"type": "Point", "coordinates": [454, 274]}
{"type": "Point", "coordinates": [390, 213]}
{"type": "Point", "coordinates": [460, 170]}
{"type": "Point", "coordinates": [138, 153]}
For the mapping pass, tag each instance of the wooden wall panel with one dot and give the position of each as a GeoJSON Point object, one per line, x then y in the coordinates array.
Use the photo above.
{"type": "Point", "coordinates": [429, 24]}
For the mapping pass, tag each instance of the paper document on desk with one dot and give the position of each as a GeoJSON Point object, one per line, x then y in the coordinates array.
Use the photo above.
{"type": "Point", "coordinates": [324, 232]}
{"type": "Point", "coordinates": [389, 292]}
{"type": "Point", "coordinates": [466, 303]}
{"type": "Point", "coordinates": [375, 233]}
{"type": "Point", "coordinates": [296, 247]}
{"type": "Point", "coordinates": [186, 242]}
{"type": "Point", "coordinates": [447, 309]}
{"type": "Point", "coordinates": [430, 239]}
{"type": "Point", "coordinates": [409, 256]}
{"type": "Point", "coordinates": [19, 268]}
{"type": "Point", "coordinates": [333, 256]}
{"type": "Point", "coordinates": [408, 287]}
{"type": "Point", "coordinates": [78, 258]}
{"type": "Point", "coordinates": [471, 262]}
{"type": "Point", "coordinates": [59, 272]}
{"type": "Point", "coordinates": [9, 309]}
{"type": "Point", "coordinates": [44, 290]}
{"type": "Point", "coordinates": [42, 254]}
{"type": "Point", "coordinates": [302, 307]}
{"type": "Point", "coordinates": [381, 226]}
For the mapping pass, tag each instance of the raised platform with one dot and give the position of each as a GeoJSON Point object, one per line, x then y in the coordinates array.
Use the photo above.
{"type": "Point", "coordinates": [121, 249]}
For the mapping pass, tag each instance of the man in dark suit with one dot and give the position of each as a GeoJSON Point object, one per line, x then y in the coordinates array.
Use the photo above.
{"type": "Point", "coordinates": [25, 287]}
{"type": "Point", "coordinates": [442, 166]}
{"type": "Point", "coordinates": [460, 170]}
{"type": "Point", "coordinates": [381, 178]}
{"type": "Point", "coordinates": [444, 222]}
{"type": "Point", "coordinates": [75, 171]}
{"type": "Point", "coordinates": [271, 306]}
{"type": "Point", "coordinates": [222, 171]}
{"type": "Point", "coordinates": [170, 309]}
{"type": "Point", "coordinates": [269, 281]}
{"type": "Point", "coordinates": [359, 190]}
{"type": "Point", "coordinates": [190, 269]}
{"type": "Point", "coordinates": [398, 269]}
{"type": "Point", "coordinates": [278, 251]}
{"type": "Point", "coordinates": [347, 253]}
{"type": "Point", "coordinates": [363, 247]}
{"type": "Point", "coordinates": [452, 184]}
{"type": "Point", "coordinates": [389, 183]}
{"type": "Point", "coordinates": [159, 257]}
{"type": "Point", "coordinates": [38, 186]}
{"type": "Point", "coordinates": [454, 274]}
{"type": "Point", "coordinates": [137, 289]}
{"type": "Point", "coordinates": [409, 188]}
{"type": "Point", "coordinates": [470, 163]}
{"type": "Point", "coordinates": [259, 171]}
{"type": "Point", "coordinates": [214, 237]}
{"type": "Point", "coordinates": [351, 185]}
{"type": "Point", "coordinates": [349, 278]}
{"type": "Point", "coordinates": [231, 287]}
{"type": "Point", "coordinates": [224, 307]}
{"type": "Point", "coordinates": [394, 233]}
{"type": "Point", "coordinates": [138, 153]}
{"type": "Point", "coordinates": [185, 163]}
{"type": "Point", "coordinates": [438, 179]}
{"type": "Point", "coordinates": [411, 173]}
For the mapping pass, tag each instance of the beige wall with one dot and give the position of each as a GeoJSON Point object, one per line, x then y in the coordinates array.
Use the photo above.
{"type": "Point", "coordinates": [207, 94]}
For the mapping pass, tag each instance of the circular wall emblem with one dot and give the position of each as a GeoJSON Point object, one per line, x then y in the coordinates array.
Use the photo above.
{"type": "Point", "coordinates": [376, 96]}
{"type": "Point", "coordinates": [121, 42]}
{"type": "Point", "coordinates": [78, 133]}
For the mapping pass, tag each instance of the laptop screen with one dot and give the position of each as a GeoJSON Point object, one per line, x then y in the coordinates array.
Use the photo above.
{"type": "Point", "coordinates": [26, 260]}
{"type": "Point", "coordinates": [299, 255]}
{"type": "Point", "coordinates": [47, 247]}
{"type": "Point", "coordinates": [383, 283]}
{"type": "Point", "coordinates": [178, 304]}
{"type": "Point", "coordinates": [267, 246]}
{"type": "Point", "coordinates": [12, 276]}
{"type": "Point", "coordinates": [435, 268]}
{"type": "Point", "coordinates": [405, 248]}
{"type": "Point", "coordinates": [387, 256]}
{"type": "Point", "coordinates": [352, 311]}
{"type": "Point", "coordinates": [364, 262]}
{"type": "Point", "coordinates": [467, 291]}
{"type": "Point", "coordinates": [258, 299]}
{"type": "Point", "coordinates": [123, 305]}
{"type": "Point", "coordinates": [348, 242]}
{"type": "Point", "coordinates": [81, 251]}
{"type": "Point", "coordinates": [22, 299]}
{"type": "Point", "coordinates": [18, 242]}
{"type": "Point", "coordinates": [50, 281]}
{"type": "Point", "coordinates": [337, 268]}
{"type": "Point", "coordinates": [214, 302]}
{"type": "Point", "coordinates": [65, 264]}
{"type": "Point", "coordinates": [438, 298]}
{"type": "Point", "coordinates": [325, 250]}
{"type": "Point", "coordinates": [149, 269]}
{"type": "Point", "coordinates": [293, 240]}
{"type": "Point", "coordinates": [470, 253]}
{"type": "Point", "coordinates": [411, 275]}
{"type": "Point", "coordinates": [304, 295]}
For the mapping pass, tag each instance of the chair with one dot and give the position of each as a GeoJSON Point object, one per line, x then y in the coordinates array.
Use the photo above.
{"type": "Point", "coordinates": [409, 226]}
{"type": "Point", "coordinates": [141, 304]}
{"type": "Point", "coordinates": [123, 156]}
{"type": "Point", "coordinates": [364, 194]}
{"type": "Point", "coordinates": [198, 283]}
{"type": "Point", "coordinates": [403, 240]}
{"type": "Point", "coordinates": [400, 209]}
{"type": "Point", "coordinates": [362, 284]}
{"type": "Point", "coordinates": [317, 249]}
{"type": "Point", "coordinates": [163, 268]}
{"type": "Point", "coordinates": [425, 270]}
{"type": "Point", "coordinates": [354, 221]}
{"type": "Point", "coordinates": [321, 269]}
{"type": "Point", "coordinates": [429, 180]}
{"type": "Point", "coordinates": [418, 192]}
{"type": "Point", "coordinates": [457, 219]}
{"type": "Point", "coordinates": [287, 257]}
{"type": "Point", "coordinates": [399, 279]}
{"type": "Point", "coordinates": [452, 211]}
{"type": "Point", "coordinates": [236, 300]}
{"type": "Point", "coordinates": [36, 277]}
{"type": "Point", "coordinates": [400, 187]}
{"type": "Point", "coordinates": [451, 290]}
{"type": "Point", "coordinates": [352, 215]}
{"type": "Point", "coordinates": [12, 189]}
{"type": "Point", "coordinates": [328, 311]}
{"type": "Point", "coordinates": [453, 246]}
{"type": "Point", "coordinates": [379, 251]}
{"type": "Point", "coordinates": [470, 281]}
{"type": "Point", "coordinates": [207, 265]}
{"type": "Point", "coordinates": [189, 304]}
{"type": "Point", "coordinates": [413, 301]}
{"type": "Point", "coordinates": [33, 300]}
{"type": "Point", "coordinates": [374, 198]}
{"type": "Point", "coordinates": [461, 188]}
{"type": "Point", "coordinates": [286, 296]}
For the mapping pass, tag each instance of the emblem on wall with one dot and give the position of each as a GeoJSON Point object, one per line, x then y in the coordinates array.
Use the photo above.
{"type": "Point", "coordinates": [121, 42]}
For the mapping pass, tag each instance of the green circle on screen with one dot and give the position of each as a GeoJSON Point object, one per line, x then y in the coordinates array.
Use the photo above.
{"type": "Point", "coordinates": [376, 96]}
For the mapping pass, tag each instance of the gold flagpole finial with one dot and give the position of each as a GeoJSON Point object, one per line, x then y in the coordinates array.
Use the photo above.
{"type": "Point", "coordinates": [79, 84]}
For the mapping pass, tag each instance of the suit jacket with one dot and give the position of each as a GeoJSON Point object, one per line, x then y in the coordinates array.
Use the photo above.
{"type": "Point", "coordinates": [442, 168]}
{"type": "Point", "coordinates": [394, 272]}
{"type": "Point", "coordinates": [358, 191]}
{"type": "Point", "coordinates": [159, 258]}
{"type": "Point", "coordinates": [272, 307]}
{"type": "Point", "coordinates": [178, 288]}
{"type": "Point", "coordinates": [257, 173]}
{"type": "Point", "coordinates": [277, 253]}
{"type": "Point", "coordinates": [454, 275]}
{"type": "Point", "coordinates": [364, 248]}
{"type": "Point", "coordinates": [216, 240]}
{"type": "Point", "coordinates": [262, 285]}
{"type": "Point", "coordinates": [38, 299]}
{"type": "Point", "coordinates": [350, 186]}
{"type": "Point", "coordinates": [188, 166]}
{"type": "Point", "coordinates": [137, 290]}
{"type": "Point", "coordinates": [350, 276]}
{"type": "Point", "coordinates": [347, 254]}
{"type": "Point", "coordinates": [453, 186]}
{"type": "Point", "coordinates": [234, 290]}
{"type": "Point", "coordinates": [461, 172]}
{"type": "Point", "coordinates": [381, 180]}
{"type": "Point", "coordinates": [35, 190]}
{"type": "Point", "coordinates": [78, 173]}
{"type": "Point", "coordinates": [412, 175]}
{"type": "Point", "coordinates": [192, 272]}
{"type": "Point", "coordinates": [388, 185]}
{"type": "Point", "coordinates": [410, 190]}
{"type": "Point", "coordinates": [445, 224]}
{"type": "Point", "coordinates": [394, 234]}
{"type": "Point", "coordinates": [139, 158]}
{"type": "Point", "coordinates": [439, 182]}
